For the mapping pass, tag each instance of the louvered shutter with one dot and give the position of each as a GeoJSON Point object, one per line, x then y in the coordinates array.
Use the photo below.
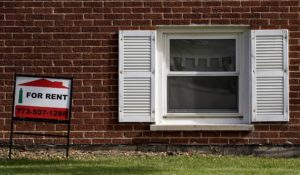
{"type": "Point", "coordinates": [136, 76]}
{"type": "Point", "coordinates": [269, 57]}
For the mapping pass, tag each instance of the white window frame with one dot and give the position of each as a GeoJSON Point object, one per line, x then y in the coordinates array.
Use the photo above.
{"type": "Point", "coordinates": [241, 35]}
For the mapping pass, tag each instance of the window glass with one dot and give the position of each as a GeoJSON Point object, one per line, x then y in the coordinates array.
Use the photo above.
{"type": "Point", "coordinates": [202, 54]}
{"type": "Point", "coordinates": [202, 94]}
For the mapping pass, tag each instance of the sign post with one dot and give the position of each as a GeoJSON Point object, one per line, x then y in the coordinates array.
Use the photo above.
{"type": "Point", "coordinates": [41, 99]}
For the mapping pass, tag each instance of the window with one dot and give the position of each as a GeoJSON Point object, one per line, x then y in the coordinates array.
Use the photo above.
{"type": "Point", "coordinates": [201, 67]}
{"type": "Point", "coordinates": [202, 76]}
{"type": "Point", "coordinates": [181, 76]}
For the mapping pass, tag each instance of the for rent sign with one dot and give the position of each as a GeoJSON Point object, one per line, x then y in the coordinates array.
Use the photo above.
{"type": "Point", "coordinates": [42, 98]}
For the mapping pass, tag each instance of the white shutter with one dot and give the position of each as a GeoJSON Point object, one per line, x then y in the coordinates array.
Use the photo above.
{"type": "Point", "coordinates": [269, 58]}
{"type": "Point", "coordinates": [136, 76]}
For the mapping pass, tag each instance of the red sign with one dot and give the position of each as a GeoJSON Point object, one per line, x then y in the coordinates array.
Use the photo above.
{"type": "Point", "coordinates": [42, 98]}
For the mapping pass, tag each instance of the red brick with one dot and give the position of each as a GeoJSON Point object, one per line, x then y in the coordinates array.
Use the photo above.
{"type": "Point", "coordinates": [153, 16]}
{"type": "Point", "coordinates": [33, 4]}
{"type": "Point", "coordinates": [121, 10]}
{"type": "Point", "coordinates": [261, 127]}
{"type": "Point", "coordinates": [172, 4]}
{"type": "Point", "coordinates": [231, 15]}
{"type": "Point", "coordinates": [279, 9]}
{"type": "Point", "coordinates": [279, 127]}
{"type": "Point", "coordinates": [231, 3]}
{"type": "Point", "coordinates": [192, 3]}
{"type": "Point", "coordinates": [90, 29]}
{"type": "Point", "coordinates": [5, 36]}
{"type": "Point", "coordinates": [113, 16]}
{"type": "Point", "coordinates": [91, 43]}
{"type": "Point", "coordinates": [230, 134]}
{"type": "Point", "coordinates": [212, 3]}
{"type": "Point", "coordinates": [141, 10]}
{"type": "Point", "coordinates": [238, 141]}
{"type": "Point", "coordinates": [239, 21]}
{"type": "Point", "coordinates": [83, 10]}
{"type": "Point", "coordinates": [113, 4]}
{"type": "Point", "coordinates": [181, 22]}
{"type": "Point", "coordinates": [82, 141]}
{"type": "Point", "coordinates": [250, 3]}
{"type": "Point", "coordinates": [161, 10]}
{"type": "Point", "coordinates": [15, 17]}
{"type": "Point", "coordinates": [23, 49]}
{"type": "Point", "coordinates": [192, 16]}
{"type": "Point", "coordinates": [223, 21]}
{"type": "Point", "coordinates": [93, 135]}
{"type": "Point", "coordinates": [93, 4]}
{"type": "Point", "coordinates": [179, 141]}
{"type": "Point", "coordinates": [295, 34]}
{"type": "Point", "coordinates": [42, 10]}
{"type": "Point", "coordinates": [289, 3]}
{"type": "Point", "coordinates": [102, 10]}
{"type": "Point", "coordinates": [160, 140]}
{"type": "Point", "coordinates": [153, 4]}
{"type": "Point", "coordinates": [72, 69]}
{"type": "Point", "coordinates": [133, 4]}
{"type": "Point", "coordinates": [52, 69]}
{"type": "Point", "coordinates": [198, 141]}
{"type": "Point", "coordinates": [83, 23]}
{"type": "Point", "coordinates": [212, 15]}
{"type": "Point", "coordinates": [52, 4]}
{"type": "Point", "coordinates": [6, 49]}
{"type": "Point", "coordinates": [260, 9]}
{"type": "Point", "coordinates": [295, 9]}
{"type": "Point", "coordinates": [103, 22]}
{"type": "Point", "coordinates": [240, 9]}
{"type": "Point", "coordinates": [12, 4]}
{"type": "Point", "coordinates": [42, 36]}
{"type": "Point", "coordinates": [258, 141]}
{"type": "Point", "coordinates": [181, 10]}
{"type": "Point", "coordinates": [141, 22]}
{"type": "Point", "coordinates": [289, 16]}
{"type": "Point", "coordinates": [123, 128]}
{"type": "Point", "coordinates": [270, 3]}
{"type": "Point", "coordinates": [14, 43]}
{"type": "Point", "coordinates": [72, 4]}
{"type": "Point", "coordinates": [46, 127]}
{"type": "Point", "coordinates": [269, 134]}
{"type": "Point", "coordinates": [270, 15]}
{"type": "Point", "coordinates": [221, 9]}
{"type": "Point", "coordinates": [133, 16]}
{"type": "Point", "coordinates": [290, 134]}
{"type": "Point", "coordinates": [74, 17]}
{"type": "Point", "coordinates": [43, 23]}
{"type": "Point", "coordinates": [223, 141]}
{"type": "Point", "coordinates": [194, 21]}
{"type": "Point", "coordinates": [122, 141]}
{"type": "Point", "coordinates": [259, 22]}
{"type": "Point", "coordinates": [201, 10]}
{"type": "Point", "coordinates": [63, 10]}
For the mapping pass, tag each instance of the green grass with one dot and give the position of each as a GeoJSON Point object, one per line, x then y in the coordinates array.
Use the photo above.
{"type": "Point", "coordinates": [171, 165]}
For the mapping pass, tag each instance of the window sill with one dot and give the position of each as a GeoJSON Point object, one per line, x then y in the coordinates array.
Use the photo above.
{"type": "Point", "coordinates": [204, 115]}
{"type": "Point", "coordinates": [214, 127]}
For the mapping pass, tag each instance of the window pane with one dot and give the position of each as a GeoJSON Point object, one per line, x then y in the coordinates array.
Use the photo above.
{"type": "Point", "coordinates": [202, 94]}
{"type": "Point", "coordinates": [202, 54]}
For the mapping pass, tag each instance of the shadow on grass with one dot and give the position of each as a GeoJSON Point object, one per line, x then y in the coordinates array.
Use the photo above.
{"type": "Point", "coordinates": [74, 167]}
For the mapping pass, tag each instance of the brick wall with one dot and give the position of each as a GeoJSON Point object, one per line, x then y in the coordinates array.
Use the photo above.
{"type": "Point", "coordinates": [79, 39]}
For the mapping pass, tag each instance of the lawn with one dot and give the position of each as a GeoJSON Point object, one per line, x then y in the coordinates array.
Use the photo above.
{"type": "Point", "coordinates": [171, 165]}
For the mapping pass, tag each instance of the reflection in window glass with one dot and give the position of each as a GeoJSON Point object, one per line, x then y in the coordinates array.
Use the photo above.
{"type": "Point", "coordinates": [202, 94]}
{"type": "Point", "coordinates": [189, 54]}
{"type": "Point", "coordinates": [190, 62]}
